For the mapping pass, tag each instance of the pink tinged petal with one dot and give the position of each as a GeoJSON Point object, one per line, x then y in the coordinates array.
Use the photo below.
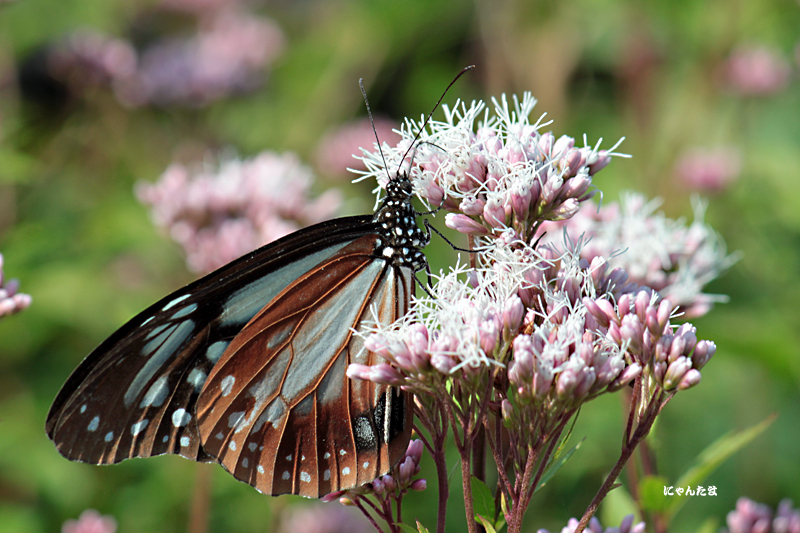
{"type": "Point", "coordinates": [602, 162]}
{"type": "Point", "coordinates": [614, 333]}
{"type": "Point", "coordinates": [464, 224]}
{"type": "Point", "coordinates": [566, 384]}
{"type": "Point", "coordinates": [377, 345]}
{"type": "Point", "coordinates": [415, 449]}
{"type": "Point", "coordinates": [632, 331]}
{"type": "Point", "coordinates": [378, 487]}
{"type": "Point", "coordinates": [664, 311]}
{"type": "Point", "coordinates": [566, 210]}
{"type": "Point", "coordinates": [690, 379]}
{"type": "Point", "coordinates": [513, 313]}
{"type": "Point", "coordinates": [563, 145]}
{"type": "Point", "coordinates": [507, 410]}
{"type": "Point", "coordinates": [357, 371]}
{"type": "Point", "coordinates": [587, 379]}
{"type": "Point", "coordinates": [443, 363]}
{"type": "Point", "coordinates": [546, 144]}
{"type": "Point", "coordinates": [520, 200]}
{"type": "Point", "coordinates": [641, 304]}
{"type": "Point", "coordinates": [472, 206]}
{"type": "Point", "coordinates": [494, 213]}
{"type": "Point", "coordinates": [572, 162]}
{"type": "Point", "coordinates": [576, 187]}
{"type": "Point", "coordinates": [626, 524]}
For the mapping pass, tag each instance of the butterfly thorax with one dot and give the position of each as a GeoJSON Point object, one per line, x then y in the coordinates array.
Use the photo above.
{"type": "Point", "coordinates": [402, 239]}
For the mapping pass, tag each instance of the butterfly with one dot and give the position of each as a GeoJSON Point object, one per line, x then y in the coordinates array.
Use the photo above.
{"type": "Point", "coordinates": [246, 366]}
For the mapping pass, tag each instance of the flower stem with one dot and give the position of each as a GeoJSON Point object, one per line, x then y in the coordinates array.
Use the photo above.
{"type": "Point", "coordinates": [466, 482]}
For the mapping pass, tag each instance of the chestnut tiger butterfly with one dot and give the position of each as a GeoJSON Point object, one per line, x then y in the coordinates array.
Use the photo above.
{"type": "Point", "coordinates": [246, 366]}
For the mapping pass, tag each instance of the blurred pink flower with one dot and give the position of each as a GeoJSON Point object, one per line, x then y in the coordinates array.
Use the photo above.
{"type": "Point", "coordinates": [87, 58]}
{"type": "Point", "coordinates": [11, 301]}
{"type": "Point", "coordinates": [756, 71]}
{"type": "Point", "coordinates": [337, 149]}
{"type": "Point", "coordinates": [753, 517]}
{"type": "Point", "coordinates": [219, 214]}
{"type": "Point", "coordinates": [90, 521]}
{"type": "Point", "coordinates": [321, 518]}
{"type": "Point", "coordinates": [226, 57]}
{"type": "Point", "coordinates": [709, 170]}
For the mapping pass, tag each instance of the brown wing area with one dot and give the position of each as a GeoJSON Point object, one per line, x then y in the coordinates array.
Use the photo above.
{"type": "Point", "coordinates": [278, 411]}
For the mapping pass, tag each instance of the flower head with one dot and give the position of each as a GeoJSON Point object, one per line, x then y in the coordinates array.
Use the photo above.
{"type": "Point", "coordinates": [753, 517]}
{"type": "Point", "coordinates": [627, 526]}
{"type": "Point", "coordinates": [90, 521]}
{"type": "Point", "coordinates": [218, 214]}
{"type": "Point", "coordinates": [11, 301]}
{"type": "Point", "coordinates": [496, 171]}
{"type": "Point", "coordinates": [756, 71]}
{"type": "Point", "coordinates": [669, 256]}
{"type": "Point", "coordinates": [709, 171]}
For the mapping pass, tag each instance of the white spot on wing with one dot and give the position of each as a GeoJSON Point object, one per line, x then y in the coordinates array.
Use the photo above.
{"type": "Point", "coordinates": [180, 417]}
{"type": "Point", "coordinates": [183, 312]}
{"type": "Point", "coordinates": [83, 408]}
{"type": "Point", "coordinates": [109, 436]}
{"type": "Point", "coordinates": [165, 439]}
{"type": "Point", "coordinates": [177, 300]}
{"type": "Point", "coordinates": [366, 464]}
{"type": "Point", "coordinates": [215, 351]}
{"type": "Point", "coordinates": [227, 385]}
{"type": "Point", "coordinates": [305, 476]}
{"type": "Point", "coordinates": [171, 343]}
{"type": "Point", "coordinates": [94, 424]}
{"type": "Point", "coordinates": [245, 462]}
{"type": "Point", "coordinates": [260, 469]}
{"type": "Point", "coordinates": [289, 457]}
{"type": "Point", "coordinates": [286, 475]}
{"type": "Point", "coordinates": [326, 475]}
{"type": "Point", "coordinates": [327, 455]}
{"type": "Point", "coordinates": [252, 446]}
{"type": "Point", "coordinates": [232, 445]}
{"type": "Point", "coordinates": [196, 379]}
{"type": "Point", "coordinates": [185, 441]}
{"type": "Point", "coordinates": [235, 418]}
{"type": "Point", "coordinates": [156, 394]}
{"type": "Point", "coordinates": [138, 427]}
{"type": "Point", "coordinates": [345, 470]}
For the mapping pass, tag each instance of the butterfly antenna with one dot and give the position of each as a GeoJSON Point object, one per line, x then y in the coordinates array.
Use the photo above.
{"type": "Point", "coordinates": [414, 140]}
{"type": "Point", "coordinates": [371, 121]}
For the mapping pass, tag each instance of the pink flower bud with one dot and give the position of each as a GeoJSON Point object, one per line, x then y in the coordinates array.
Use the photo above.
{"type": "Point", "coordinates": [494, 213]}
{"type": "Point", "coordinates": [464, 224]}
{"type": "Point", "coordinates": [676, 371]}
{"type": "Point", "coordinates": [415, 449]}
{"type": "Point", "coordinates": [702, 353]}
{"type": "Point", "coordinates": [640, 305]}
{"type": "Point", "coordinates": [332, 496]}
{"type": "Point", "coordinates": [357, 371]}
{"type": "Point", "coordinates": [347, 502]}
{"type": "Point", "coordinates": [566, 210]}
{"type": "Point", "coordinates": [690, 379]}
{"type": "Point", "coordinates": [572, 162]}
{"type": "Point", "coordinates": [472, 206]}
{"type": "Point", "coordinates": [507, 409]}
{"type": "Point", "coordinates": [603, 159]}
{"type": "Point", "coordinates": [377, 345]}
{"type": "Point", "coordinates": [378, 486]}
{"type": "Point", "coordinates": [419, 485]}
{"type": "Point", "coordinates": [513, 313]}
{"type": "Point", "coordinates": [563, 145]}
{"type": "Point", "coordinates": [389, 482]}
{"type": "Point", "coordinates": [443, 363]}
{"type": "Point", "coordinates": [630, 373]}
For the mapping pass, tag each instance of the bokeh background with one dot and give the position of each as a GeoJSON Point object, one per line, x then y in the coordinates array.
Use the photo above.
{"type": "Point", "coordinates": [99, 95]}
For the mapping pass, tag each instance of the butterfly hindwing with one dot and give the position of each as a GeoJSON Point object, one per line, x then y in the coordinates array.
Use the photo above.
{"type": "Point", "coordinates": [135, 394]}
{"type": "Point", "coordinates": [278, 410]}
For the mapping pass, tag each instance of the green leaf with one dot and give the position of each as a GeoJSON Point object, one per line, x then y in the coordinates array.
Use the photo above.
{"type": "Point", "coordinates": [651, 494]}
{"type": "Point", "coordinates": [408, 529]}
{"type": "Point", "coordinates": [556, 466]}
{"type": "Point", "coordinates": [616, 506]}
{"type": "Point", "coordinates": [710, 525]}
{"type": "Point", "coordinates": [486, 524]}
{"type": "Point", "coordinates": [482, 499]}
{"type": "Point", "coordinates": [714, 455]}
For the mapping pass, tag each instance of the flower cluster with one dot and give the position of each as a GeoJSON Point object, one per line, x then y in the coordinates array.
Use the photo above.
{"type": "Point", "coordinates": [509, 348]}
{"type": "Point", "coordinates": [756, 71]}
{"type": "Point", "coordinates": [627, 526]}
{"type": "Point", "coordinates": [11, 301]}
{"type": "Point", "coordinates": [753, 517]}
{"type": "Point", "coordinates": [87, 58]}
{"type": "Point", "coordinates": [227, 56]}
{"type": "Point", "coordinates": [90, 521]}
{"type": "Point", "coordinates": [709, 170]}
{"type": "Point", "coordinates": [669, 256]}
{"type": "Point", "coordinates": [220, 213]}
{"type": "Point", "coordinates": [499, 173]}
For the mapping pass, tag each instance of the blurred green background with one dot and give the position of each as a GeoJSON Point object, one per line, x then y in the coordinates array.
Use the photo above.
{"type": "Point", "coordinates": [658, 72]}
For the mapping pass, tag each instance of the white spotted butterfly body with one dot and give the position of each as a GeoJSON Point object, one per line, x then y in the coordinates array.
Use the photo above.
{"type": "Point", "coordinates": [246, 366]}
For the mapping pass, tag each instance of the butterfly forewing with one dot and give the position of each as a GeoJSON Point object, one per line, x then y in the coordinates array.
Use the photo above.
{"type": "Point", "coordinates": [278, 410]}
{"type": "Point", "coordinates": [135, 395]}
